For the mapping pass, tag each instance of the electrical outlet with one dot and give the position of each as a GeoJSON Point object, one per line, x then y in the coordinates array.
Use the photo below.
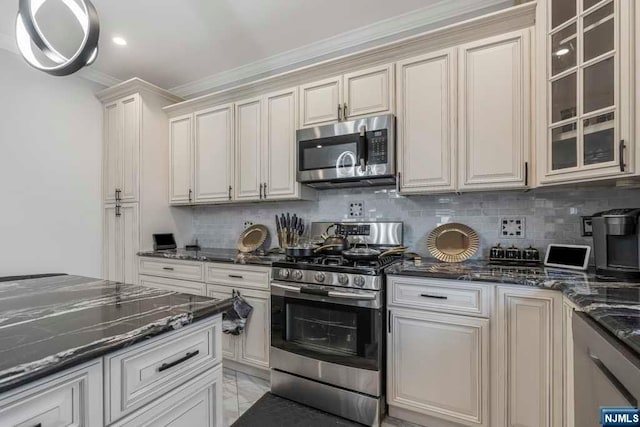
{"type": "Point", "coordinates": [356, 209]}
{"type": "Point", "coordinates": [512, 228]}
{"type": "Point", "coordinates": [247, 224]}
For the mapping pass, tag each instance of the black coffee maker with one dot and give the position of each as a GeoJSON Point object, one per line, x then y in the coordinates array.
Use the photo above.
{"type": "Point", "coordinates": [616, 243]}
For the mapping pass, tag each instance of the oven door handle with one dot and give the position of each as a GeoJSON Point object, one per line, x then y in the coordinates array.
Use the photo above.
{"type": "Point", "coordinates": [286, 287]}
{"type": "Point", "coordinates": [352, 295]}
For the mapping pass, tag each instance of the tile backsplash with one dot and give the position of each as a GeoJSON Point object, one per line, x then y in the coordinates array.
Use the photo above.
{"type": "Point", "coordinates": [537, 218]}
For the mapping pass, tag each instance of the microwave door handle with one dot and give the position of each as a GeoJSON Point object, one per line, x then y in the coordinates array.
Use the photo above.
{"type": "Point", "coordinates": [362, 148]}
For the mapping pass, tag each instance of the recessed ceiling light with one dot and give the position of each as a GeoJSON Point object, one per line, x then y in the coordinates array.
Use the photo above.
{"type": "Point", "coordinates": [119, 41]}
{"type": "Point", "coordinates": [562, 51]}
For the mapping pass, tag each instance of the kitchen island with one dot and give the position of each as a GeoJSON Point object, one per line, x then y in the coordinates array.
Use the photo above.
{"type": "Point", "coordinates": [82, 351]}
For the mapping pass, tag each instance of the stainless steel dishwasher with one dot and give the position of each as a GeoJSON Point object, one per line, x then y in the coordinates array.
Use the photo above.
{"type": "Point", "coordinates": [606, 372]}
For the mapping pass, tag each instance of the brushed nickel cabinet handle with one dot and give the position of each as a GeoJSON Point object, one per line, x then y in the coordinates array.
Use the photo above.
{"type": "Point", "coordinates": [229, 192]}
{"type": "Point", "coordinates": [168, 268]}
{"type": "Point", "coordinates": [265, 191]}
{"type": "Point", "coordinates": [235, 276]}
{"type": "Point", "coordinates": [339, 113]}
{"type": "Point", "coordinates": [261, 186]}
{"type": "Point", "coordinates": [344, 111]}
{"type": "Point", "coordinates": [621, 148]}
{"type": "Point", "coordinates": [526, 174]}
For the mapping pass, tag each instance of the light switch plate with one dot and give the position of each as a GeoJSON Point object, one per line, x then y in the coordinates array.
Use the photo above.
{"type": "Point", "coordinates": [356, 209]}
{"type": "Point", "coordinates": [512, 228]}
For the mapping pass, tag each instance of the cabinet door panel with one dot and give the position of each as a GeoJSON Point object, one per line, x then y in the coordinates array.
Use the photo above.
{"type": "Point", "coordinates": [494, 105]}
{"type": "Point", "coordinates": [130, 242]}
{"type": "Point", "coordinates": [280, 117]}
{"type": "Point", "coordinates": [529, 331]}
{"type": "Point", "coordinates": [111, 152]}
{"type": "Point", "coordinates": [180, 182]}
{"type": "Point", "coordinates": [131, 148]}
{"type": "Point", "coordinates": [369, 91]}
{"type": "Point", "coordinates": [229, 342]}
{"type": "Point", "coordinates": [248, 142]}
{"type": "Point", "coordinates": [426, 126]}
{"type": "Point", "coordinates": [439, 365]}
{"type": "Point", "coordinates": [213, 154]}
{"type": "Point", "coordinates": [321, 102]}
{"type": "Point", "coordinates": [112, 255]}
{"type": "Point", "coordinates": [255, 341]}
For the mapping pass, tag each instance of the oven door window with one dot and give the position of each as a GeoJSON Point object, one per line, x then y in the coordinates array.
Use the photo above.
{"type": "Point", "coordinates": [334, 333]}
{"type": "Point", "coordinates": [338, 152]}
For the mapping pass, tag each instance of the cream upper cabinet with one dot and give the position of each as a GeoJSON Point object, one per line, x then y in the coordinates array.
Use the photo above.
{"type": "Point", "coordinates": [587, 72]}
{"type": "Point", "coordinates": [426, 111]}
{"type": "Point", "coordinates": [121, 152]}
{"type": "Point", "coordinates": [494, 112]}
{"type": "Point", "coordinates": [181, 159]}
{"type": "Point", "coordinates": [368, 92]}
{"type": "Point", "coordinates": [528, 358]}
{"type": "Point", "coordinates": [361, 93]}
{"type": "Point", "coordinates": [214, 154]}
{"type": "Point", "coordinates": [280, 122]}
{"type": "Point", "coordinates": [321, 102]}
{"type": "Point", "coordinates": [121, 242]}
{"type": "Point", "coordinates": [248, 185]}
{"type": "Point", "coordinates": [439, 366]}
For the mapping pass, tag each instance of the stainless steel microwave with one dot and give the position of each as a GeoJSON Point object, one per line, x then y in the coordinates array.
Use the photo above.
{"type": "Point", "coordinates": [348, 154]}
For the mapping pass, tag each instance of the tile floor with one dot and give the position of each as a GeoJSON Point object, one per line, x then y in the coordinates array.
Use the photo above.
{"type": "Point", "coordinates": [241, 391]}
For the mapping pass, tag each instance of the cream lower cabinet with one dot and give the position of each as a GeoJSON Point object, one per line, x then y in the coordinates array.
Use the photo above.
{"type": "Point", "coordinates": [121, 240]}
{"type": "Point", "coordinates": [252, 346]}
{"type": "Point", "coordinates": [361, 93]}
{"type": "Point", "coordinates": [439, 365]}
{"type": "Point", "coordinates": [528, 358]}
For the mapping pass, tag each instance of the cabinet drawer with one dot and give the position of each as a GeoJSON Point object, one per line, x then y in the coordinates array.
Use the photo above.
{"type": "Point", "coordinates": [73, 398]}
{"type": "Point", "coordinates": [197, 403]}
{"type": "Point", "coordinates": [138, 375]}
{"type": "Point", "coordinates": [238, 276]}
{"type": "Point", "coordinates": [186, 270]}
{"type": "Point", "coordinates": [448, 296]}
{"type": "Point", "coordinates": [175, 285]}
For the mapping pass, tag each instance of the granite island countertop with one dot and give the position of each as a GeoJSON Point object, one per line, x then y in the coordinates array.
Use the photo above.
{"type": "Point", "coordinates": [215, 255]}
{"type": "Point", "coordinates": [615, 305]}
{"type": "Point", "coordinates": [49, 324]}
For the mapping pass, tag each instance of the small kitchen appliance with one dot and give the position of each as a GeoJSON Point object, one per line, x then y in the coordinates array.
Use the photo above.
{"type": "Point", "coordinates": [616, 243]}
{"type": "Point", "coordinates": [348, 154]}
{"type": "Point", "coordinates": [328, 322]}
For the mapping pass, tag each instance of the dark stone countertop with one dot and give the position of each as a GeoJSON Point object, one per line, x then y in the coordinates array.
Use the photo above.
{"type": "Point", "coordinates": [615, 305]}
{"type": "Point", "coordinates": [215, 255]}
{"type": "Point", "coordinates": [49, 324]}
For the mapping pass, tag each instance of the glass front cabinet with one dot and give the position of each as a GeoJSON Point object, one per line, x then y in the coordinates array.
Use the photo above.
{"type": "Point", "coordinates": [589, 90]}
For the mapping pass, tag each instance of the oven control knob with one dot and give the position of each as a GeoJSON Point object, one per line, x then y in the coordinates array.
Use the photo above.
{"type": "Point", "coordinates": [284, 273]}
{"type": "Point", "coordinates": [358, 281]}
{"type": "Point", "coordinates": [319, 276]}
{"type": "Point", "coordinates": [343, 279]}
{"type": "Point", "coordinates": [297, 274]}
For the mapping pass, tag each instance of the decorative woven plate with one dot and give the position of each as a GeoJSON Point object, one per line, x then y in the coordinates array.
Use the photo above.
{"type": "Point", "coordinates": [252, 238]}
{"type": "Point", "coordinates": [453, 242]}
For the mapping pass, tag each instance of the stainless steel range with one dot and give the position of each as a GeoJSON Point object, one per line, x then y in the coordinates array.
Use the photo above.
{"type": "Point", "coordinates": [328, 327]}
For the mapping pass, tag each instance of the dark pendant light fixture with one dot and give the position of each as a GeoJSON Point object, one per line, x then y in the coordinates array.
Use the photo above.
{"type": "Point", "coordinates": [28, 35]}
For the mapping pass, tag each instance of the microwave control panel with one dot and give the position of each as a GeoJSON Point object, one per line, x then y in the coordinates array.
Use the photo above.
{"type": "Point", "coordinates": [377, 144]}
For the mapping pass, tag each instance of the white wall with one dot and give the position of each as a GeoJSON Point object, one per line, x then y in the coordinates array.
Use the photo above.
{"type": "Point", "coordinates": [50, 172]}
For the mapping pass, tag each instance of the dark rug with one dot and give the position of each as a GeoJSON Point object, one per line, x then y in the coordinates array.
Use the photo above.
{"type": "Point", "coordinates": [274, 411]}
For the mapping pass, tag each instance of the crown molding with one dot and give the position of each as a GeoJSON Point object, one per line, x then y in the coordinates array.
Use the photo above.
{"type": "Point", "coordinates": [441, 36]}
{"type": "Point", "coordinates": [8, 44]}
{"type": "Point", "coordinates": [135, 85]}
{"type": "Point", "coordinates": [378, 33]}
